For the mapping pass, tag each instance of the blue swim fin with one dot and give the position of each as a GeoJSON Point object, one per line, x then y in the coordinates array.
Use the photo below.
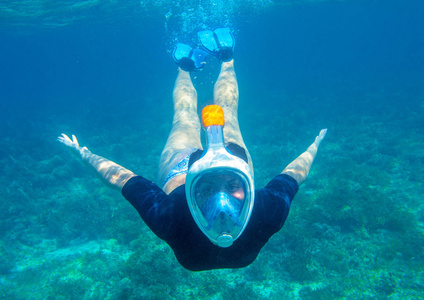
{"type": "Point", "coordinates": [219, 42]}
{"type": "Point", "coordinates": [199, 58]}
{"type": "Point", "coordinates": [187, 58]}
{"type": "Point", "coordinates": [208, 41]}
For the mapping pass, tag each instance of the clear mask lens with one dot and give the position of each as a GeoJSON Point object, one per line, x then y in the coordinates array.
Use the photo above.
{"type": "Point", "coordinates": [222, 208]}
{"type": "Point", "coordinates": [213, 183]}
{"type": "Point", "coordinates": [220, 196]}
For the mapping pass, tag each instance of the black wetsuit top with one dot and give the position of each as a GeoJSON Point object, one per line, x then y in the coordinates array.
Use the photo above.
{"type": "Point", "coordinates": [169, 217]}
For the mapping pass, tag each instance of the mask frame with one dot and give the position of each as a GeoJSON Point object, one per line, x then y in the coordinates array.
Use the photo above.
{"type": "Point", "coordinates": [217, 158]}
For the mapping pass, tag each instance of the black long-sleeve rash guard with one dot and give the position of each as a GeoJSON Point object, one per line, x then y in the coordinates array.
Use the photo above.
{"type": "Point", "coordinates": [169, 217]}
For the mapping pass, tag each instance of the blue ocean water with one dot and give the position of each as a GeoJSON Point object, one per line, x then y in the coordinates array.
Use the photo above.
{"type": "Point", "coordinates": [103, 70]}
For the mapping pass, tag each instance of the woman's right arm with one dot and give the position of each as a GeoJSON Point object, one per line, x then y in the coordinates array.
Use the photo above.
{"type": "Point", "coordinates": [111, 173]}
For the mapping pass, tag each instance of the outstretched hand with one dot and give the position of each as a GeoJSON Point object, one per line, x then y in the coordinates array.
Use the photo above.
{"type": "Point", "coordinates": [321, 136]}
{"type": "Point", "coordinates": [73, 144]}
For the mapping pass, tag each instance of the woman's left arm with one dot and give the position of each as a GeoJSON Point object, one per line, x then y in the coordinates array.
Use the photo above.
{"type": "Point", "coordinates": [299, 168]}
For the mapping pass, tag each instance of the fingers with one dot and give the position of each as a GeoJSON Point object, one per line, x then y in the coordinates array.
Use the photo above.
{"type": "Point", "coordinates": [74, 140]}
{"type": "Point", "coordinates": [64, 139]}
{"type": "Point", "coordinates": [323, 132]}
{"type": "Point", "coordinates": [67, 141]}
{"type": "Point", "coordinates": [321, 136]}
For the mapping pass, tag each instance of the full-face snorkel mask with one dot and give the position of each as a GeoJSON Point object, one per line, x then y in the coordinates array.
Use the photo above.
{"type": "Point", "coordinates": [219, 186]}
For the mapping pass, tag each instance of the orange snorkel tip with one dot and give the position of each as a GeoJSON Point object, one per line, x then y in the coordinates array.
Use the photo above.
{"type": "Point", "coordinates": [212, 115]}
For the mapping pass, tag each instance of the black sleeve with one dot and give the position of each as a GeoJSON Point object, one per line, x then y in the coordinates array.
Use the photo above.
{"type": "Point", "coordinates": [273, 202]}
{"type": "Point", "coordinates": [285, 186]}
{"type": "Point", "coordinates": [152, 203]}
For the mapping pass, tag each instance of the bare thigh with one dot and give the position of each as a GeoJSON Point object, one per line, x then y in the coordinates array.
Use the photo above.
{"type": "Point", "coordinates": [226, 95]}
{"type": "Point", "coordinates": [185, 133]}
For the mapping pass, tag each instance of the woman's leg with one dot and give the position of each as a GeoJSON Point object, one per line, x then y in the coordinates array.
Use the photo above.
{"type": "Point", "coordinates": [226, 95]}
{"type": "Point", "coordinates": [185, 134]}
